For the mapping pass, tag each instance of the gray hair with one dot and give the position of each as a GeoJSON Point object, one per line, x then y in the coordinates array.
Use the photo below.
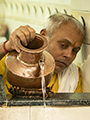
{"type": "Point", "coordinates": [55, 20]}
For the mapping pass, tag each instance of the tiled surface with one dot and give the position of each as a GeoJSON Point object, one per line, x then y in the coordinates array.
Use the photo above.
{"type": "Point", "coordinates": [47, 113]}
{"type": "Point", "coordinates": [60, 113]}
{"type": "Point", "coordinates": [3, 113]}
{"type": "Point", "coordinates": [15, 113]}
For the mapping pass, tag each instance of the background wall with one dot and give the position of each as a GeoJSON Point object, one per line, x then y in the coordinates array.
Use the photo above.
{"type": "Point", "coordinates": [14, 13]}
{"type": "Point", "coordinates": [82, 8]}
{"type": "Point", "coordinates": [83, 5]}
{"type": "Point", "coordinates": [34, 13]}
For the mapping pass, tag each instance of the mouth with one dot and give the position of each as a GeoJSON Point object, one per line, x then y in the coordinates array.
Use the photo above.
{"type": "Point", "coordinates": [60, 63]}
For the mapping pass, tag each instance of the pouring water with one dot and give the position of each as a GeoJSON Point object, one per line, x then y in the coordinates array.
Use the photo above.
{"type": "Point", "coordinates": [43, 80]}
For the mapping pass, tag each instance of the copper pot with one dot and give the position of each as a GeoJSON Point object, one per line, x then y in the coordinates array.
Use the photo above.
{"type": "Point", "coordinates": [23, 69]}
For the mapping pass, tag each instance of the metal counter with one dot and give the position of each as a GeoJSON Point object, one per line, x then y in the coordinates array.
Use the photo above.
{"type": "Point", "coordinates": [58, 99]}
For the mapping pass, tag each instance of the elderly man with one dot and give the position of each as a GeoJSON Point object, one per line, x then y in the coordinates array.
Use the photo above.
{"type": "Point", "coordinates": [65, 35]}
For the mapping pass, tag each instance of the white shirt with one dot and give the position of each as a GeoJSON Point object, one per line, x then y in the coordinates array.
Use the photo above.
{"type": "Point", "coordinates": [68, 79]}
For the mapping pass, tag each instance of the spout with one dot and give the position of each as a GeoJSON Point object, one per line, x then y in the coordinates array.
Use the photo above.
{"type": "Point", "coordinates": [41, 63]}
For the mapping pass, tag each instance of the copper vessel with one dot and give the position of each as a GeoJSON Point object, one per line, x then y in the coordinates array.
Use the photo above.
{"type": "Point", "coordinates": [23, 69]}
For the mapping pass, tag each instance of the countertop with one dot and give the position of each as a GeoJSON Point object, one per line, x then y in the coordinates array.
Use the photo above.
{"type": "Point", "coordinates": [58, 99]}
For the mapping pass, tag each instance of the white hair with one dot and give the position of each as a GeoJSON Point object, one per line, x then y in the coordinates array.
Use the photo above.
{"type": "Point", "coordinates": [55, 20]}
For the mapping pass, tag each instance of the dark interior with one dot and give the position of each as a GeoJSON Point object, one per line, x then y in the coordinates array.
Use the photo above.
{"type": "Point", "coordinates": [35, 44]}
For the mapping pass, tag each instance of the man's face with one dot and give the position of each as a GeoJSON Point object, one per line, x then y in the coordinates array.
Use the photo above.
{"type": "Point", "coordinates": [64, 44]}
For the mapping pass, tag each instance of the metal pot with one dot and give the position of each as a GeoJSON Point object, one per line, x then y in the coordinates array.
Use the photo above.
{"type": "Point", "coordinates": [23, 69]}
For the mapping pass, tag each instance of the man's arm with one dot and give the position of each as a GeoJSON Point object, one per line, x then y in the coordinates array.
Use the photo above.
{"type": "Point", "coordinates": [24, 33]}
{"type": "Point", "coordinates": [2, 52]}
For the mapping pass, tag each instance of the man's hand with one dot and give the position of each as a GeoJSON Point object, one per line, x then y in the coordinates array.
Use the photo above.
{"type": "Point", "coordinates": [24, 33]}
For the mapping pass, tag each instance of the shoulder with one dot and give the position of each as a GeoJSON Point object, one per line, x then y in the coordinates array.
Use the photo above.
{"type": "Point", "coordinates": [73, 68]}
{"type": "Point", "coordinates": [2, 61]}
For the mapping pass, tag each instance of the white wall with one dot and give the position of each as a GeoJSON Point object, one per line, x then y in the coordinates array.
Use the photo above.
{"type": "Point", "coordinates": [33, 13]}
{"type": "Point", "coordinates": [63, 2]}
{"type": "Point", "coordinates": [1, 11]}
{"type": "Point", "coordinates": [82, 8]}
{"type": "Point", "coordinates": [83, 5]}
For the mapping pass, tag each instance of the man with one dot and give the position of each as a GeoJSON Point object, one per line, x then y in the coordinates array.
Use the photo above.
{"type": "Point", "coordinates": [65, 35]}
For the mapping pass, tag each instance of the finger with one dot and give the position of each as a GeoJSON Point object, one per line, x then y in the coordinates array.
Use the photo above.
{"type": "Point", "coordinates": [22, 37]}
{"type": "Point", "coordinates": [16, 47]}
{"type": "Point", "coordinates": [31, 31]}
{"type": "Point", "coordinates": [26, 32]}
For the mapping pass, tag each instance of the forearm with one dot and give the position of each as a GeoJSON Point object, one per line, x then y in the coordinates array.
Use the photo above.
{"type": "Point", "coordinates": [2, 52]}
{"type": "Point", "coordinates": [4, 49]}
{"type": "Point", "coordinates": [24, 33]}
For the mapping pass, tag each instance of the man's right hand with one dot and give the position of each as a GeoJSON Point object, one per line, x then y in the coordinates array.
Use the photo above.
{"type": "Point", "coordinates": [24, 33]}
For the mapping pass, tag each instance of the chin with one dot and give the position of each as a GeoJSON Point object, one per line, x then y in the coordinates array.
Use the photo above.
{"type": "Point", "coordinates": [58, 69]}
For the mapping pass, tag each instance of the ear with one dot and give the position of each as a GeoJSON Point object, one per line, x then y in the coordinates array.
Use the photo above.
{"type": "Point", "coordinates": [43, 32]}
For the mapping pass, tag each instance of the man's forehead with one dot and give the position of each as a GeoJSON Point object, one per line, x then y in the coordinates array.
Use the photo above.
{"type": "Point", "coordinates": [73, 44]}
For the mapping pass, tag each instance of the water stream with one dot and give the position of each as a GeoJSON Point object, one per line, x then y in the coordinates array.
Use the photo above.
{"type": "Point", "coordinates": [43, 80]}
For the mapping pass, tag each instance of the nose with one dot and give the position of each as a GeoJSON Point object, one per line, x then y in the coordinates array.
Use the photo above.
{"type": "Point", "coordinates": [68, 53]}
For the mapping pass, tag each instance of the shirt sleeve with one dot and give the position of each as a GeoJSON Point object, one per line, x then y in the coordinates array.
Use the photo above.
{"type": "Point", "coordinates": [2, 65]}
{"type": "Point", "coordinates": [79, 86]}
